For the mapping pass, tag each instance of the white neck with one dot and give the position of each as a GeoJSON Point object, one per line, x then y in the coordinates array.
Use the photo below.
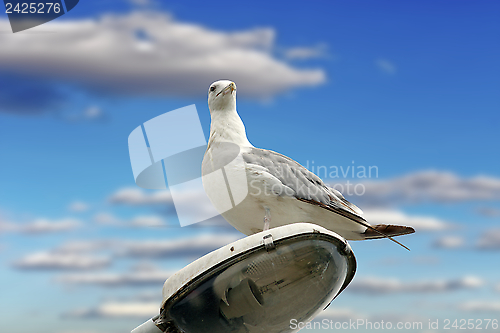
{"type": "Point", "coordinates": [227, 126]}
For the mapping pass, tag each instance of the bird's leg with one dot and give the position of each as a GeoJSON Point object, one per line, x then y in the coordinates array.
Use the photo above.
{"type": "Point", "coordinates": [267, 218]}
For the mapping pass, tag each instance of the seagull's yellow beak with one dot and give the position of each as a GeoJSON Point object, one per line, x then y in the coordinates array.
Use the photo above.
{"type": "Point", "coordinates": [229, 88]}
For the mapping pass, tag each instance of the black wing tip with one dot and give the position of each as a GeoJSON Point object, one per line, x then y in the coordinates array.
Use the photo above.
{"type": "Point", "coordinates": [381, 230]}
{"type": "Point", "coordinates": [371, 232]}
{"type": "Point", "coordinates": [388, 231]}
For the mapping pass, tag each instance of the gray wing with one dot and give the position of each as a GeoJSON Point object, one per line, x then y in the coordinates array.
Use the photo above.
{"type": "Point", "coordinates": [307, 187]}
{"type": "Point", "coordinates": [299, 182]}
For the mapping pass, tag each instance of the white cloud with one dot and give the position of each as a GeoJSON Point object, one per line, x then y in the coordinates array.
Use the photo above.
{"type": "Point", "coordinates": [85, 246]}
{"type": "Point", "coordinates": [339, 314]}
{"type": "Point", "coordinates": [429, 186]}
{"type": "Point", "coordinates": [425, 260]}
{"type": "Point", "coordinates": [193, 247]}
{"type": "Point", "coordinates": [382, 286]}
{"type": "Point", "coordinates": [489, 240]}
{"type": "Point", "coordinates": [58, 261]}
{"type": "Point", "coordinates": [386, 66]}
{"type": "Point", "coordinates": [488, 211]}
{"type": "Point", "coordinates": [6, 226]}
{"type": "Point", "coordinates": [480, 306]}
{"type": "Point", "coordinates": [184, 201]}
{"type": "Point", "coordinates": [303, 53]}
{"type": "Point", "coordinates": [118, 309]}
{"type": "Point", "coordinates": [43, 226]}
{"type": "Point", "coordinates": [137, 221]}
{"type": "Point", "coordinates": [139, 276]}
{"type": "Point", "coordinates": [419, 223]}
{"type": "Point", "coordinates": [147, 221]}
{"type": "Point", "coordinates": [141, 2]}
{"type": "Point", "coordinates": [450, 242]}
{"type": "Point", "coordinates": [78, 207]}
{"type": "Point", "coordinates": [136, 197]}
{"type": "Point", "coordinates": [106, 219]}
{"type": "Point", "coordinates": [83, 331]}
{"type": "Point", "coordinates": [92, 112]}
{"type": "Point", "coordinates": [150, 53]}
{"type": "Point", "coordinates": [417, 260]}
{"type": "Point", "coordinates": [80, 331]}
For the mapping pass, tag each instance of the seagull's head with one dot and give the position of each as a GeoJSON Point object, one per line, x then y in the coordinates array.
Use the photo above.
{"type": "Point", "coordinates": [222, 96]}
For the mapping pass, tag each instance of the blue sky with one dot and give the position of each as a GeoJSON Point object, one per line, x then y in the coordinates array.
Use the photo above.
{"type": "Point", "coordinates": [408, 87]}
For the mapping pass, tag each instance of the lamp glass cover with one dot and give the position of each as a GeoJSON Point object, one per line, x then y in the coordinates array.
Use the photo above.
{"type": "Point", "coordinates": [262, 290]}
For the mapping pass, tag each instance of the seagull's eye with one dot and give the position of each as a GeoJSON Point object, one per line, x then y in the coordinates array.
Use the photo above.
{"type": "Point", "coordinates": [212, 88]}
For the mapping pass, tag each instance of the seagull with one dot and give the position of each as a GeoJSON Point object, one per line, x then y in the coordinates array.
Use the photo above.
{"type": "Point", "coordinates": [267, 189]}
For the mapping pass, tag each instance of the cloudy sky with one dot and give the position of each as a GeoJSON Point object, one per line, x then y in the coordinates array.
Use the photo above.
{"type": "Point", "coordinates": [407, 90]}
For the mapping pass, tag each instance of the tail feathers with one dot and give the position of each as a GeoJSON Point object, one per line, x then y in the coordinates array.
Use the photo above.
{"type": "Point", "coordinates": [384, 230]}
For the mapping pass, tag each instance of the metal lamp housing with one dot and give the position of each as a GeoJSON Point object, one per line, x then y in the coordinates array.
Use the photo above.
{"type": "Point", "coordinates": [257, 284]}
